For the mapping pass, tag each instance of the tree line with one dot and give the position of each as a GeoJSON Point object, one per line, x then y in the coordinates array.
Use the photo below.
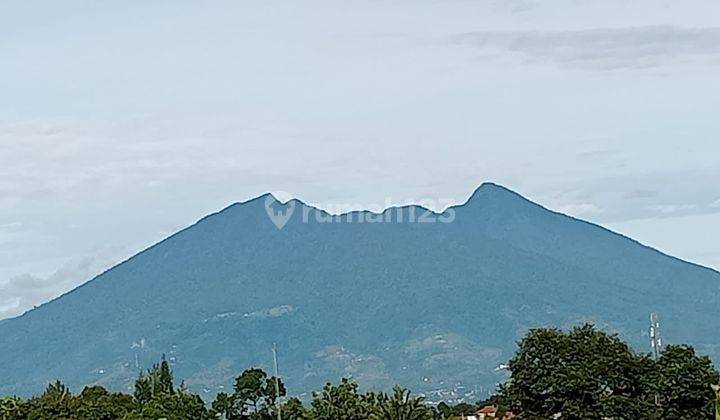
{"type": "Point", "coordinates": [583, 373]}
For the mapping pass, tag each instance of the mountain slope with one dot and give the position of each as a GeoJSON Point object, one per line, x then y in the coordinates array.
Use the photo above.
{"type": "Point", "coordinates": [434, 306]}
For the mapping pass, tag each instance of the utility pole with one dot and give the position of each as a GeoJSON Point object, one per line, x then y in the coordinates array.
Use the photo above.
{"type": "Point", "coordinates": [277, 382]}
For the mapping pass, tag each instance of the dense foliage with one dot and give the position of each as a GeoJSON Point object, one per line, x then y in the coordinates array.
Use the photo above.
{"type": "Point", "coordinates": [254, 398]}
{"type": "Point", "coordinates": [581, 374]}
{"type": "Point", "coordinates": [588, 374]}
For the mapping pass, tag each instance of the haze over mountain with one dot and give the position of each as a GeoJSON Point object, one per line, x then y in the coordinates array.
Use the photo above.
{"type": "Point", "coordinates": [434, 305]}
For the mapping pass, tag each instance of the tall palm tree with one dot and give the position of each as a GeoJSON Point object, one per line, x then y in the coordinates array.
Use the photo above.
{"type": "Point", "coordinates": [57, 392]}
{"type": "Point", "coordinates": [400, 406]}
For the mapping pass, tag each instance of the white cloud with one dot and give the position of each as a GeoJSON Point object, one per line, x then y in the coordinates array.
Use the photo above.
{"type": "Point", "coordinates": [23, 292]}
{"type": "Point", "coordinates": [580, 209]}
{"type": "Point", "coordinates": [605, 48]}
{"type": "Point", "coordinates": [10, 225]}
{"type": "Point", "coordinates": [672, 208]}
{"type": "Point", "coordinates": [692, 237]}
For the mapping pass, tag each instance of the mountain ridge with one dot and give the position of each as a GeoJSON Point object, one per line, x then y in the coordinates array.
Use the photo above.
{"type": "Point", "coordinates": [471, 200]}
{"type": "Point", "coordinates": [326, 291]}
{"type": "Point", "coordinates": [474, 197]}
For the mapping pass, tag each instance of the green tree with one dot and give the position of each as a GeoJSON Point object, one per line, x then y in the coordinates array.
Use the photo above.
{"type": "Point", "coordinates": [157, 381]}
{"type": "Point", "coordinates": [340, 402]}
{"type": "Point", "coordinates": [583, 374]}
{"type": "Point", "coordinates": [143, 389]}
{"type": "Point", "coordinates": [254, 397]}
{"type": "Point", "coordinates": [96, 403]}
{"type": "Point", "coordinates": [681, 380]}
{"type": "Point", "coordinates": [588, 374]}
{"type": "Point", "coordinates": [250, 389]}
{"type": "Point", "coordinates": [157, 398]}
{"type": "Point", "coordinates": [400, 406]}
{"type": "Point", "coordinates": [444, 409]}
{"type": "Point", "coordinates": [10, 408]}
{"type": "Point", "coordinates": [177, 406]}
{"type": "Point", "coordinates": [165, 377]}
{"type": "Point", "coordinates": [222, 406]}
{"type": "Point", "coordinates": [294, 409]}
{"type": "Point", "coordinates": [458, 410]}
{"type": "Point", "coordinates": [54, 403]}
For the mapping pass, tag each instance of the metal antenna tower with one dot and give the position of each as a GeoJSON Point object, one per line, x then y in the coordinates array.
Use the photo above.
{"type": "Point", "coordinates": [655, 339]}
{"type": "Point", "coordinates": [655, 342]}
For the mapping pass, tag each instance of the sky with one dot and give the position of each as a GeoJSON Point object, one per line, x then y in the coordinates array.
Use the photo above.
{"type": "Point", "coordinates": [123, 122]}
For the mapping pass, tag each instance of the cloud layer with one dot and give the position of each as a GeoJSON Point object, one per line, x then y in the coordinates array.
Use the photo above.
{"type": "Point", "coordinates": [605, 48]}
{"type": "Point", "coordinates": [25, 291]}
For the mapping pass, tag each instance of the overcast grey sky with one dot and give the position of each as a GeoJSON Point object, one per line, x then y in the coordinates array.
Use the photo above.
{"type": "Point", "coordinates": [122, 122]}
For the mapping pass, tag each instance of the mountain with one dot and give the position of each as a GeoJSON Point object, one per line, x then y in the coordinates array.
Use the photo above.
{"type": "Point", "coordinates": [435, 305]}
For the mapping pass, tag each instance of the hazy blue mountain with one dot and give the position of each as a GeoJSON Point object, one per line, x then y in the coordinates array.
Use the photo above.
{"type": "Point", "coordinates": [433, 306]}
